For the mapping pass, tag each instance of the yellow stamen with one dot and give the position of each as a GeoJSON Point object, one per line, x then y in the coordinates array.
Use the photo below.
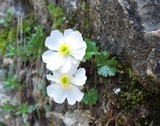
{"type": "Point", "coordinates": [64, 49]}
{"type": "Point", "coordinates": [65, 82]}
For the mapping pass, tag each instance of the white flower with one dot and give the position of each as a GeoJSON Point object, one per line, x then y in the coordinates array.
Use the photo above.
{"type": "Point", "coordinates": [67, 85]}
{"type": "Point", "coordinates": [116, 91]}
{"type": "Point", "coordinates": [64, 50]}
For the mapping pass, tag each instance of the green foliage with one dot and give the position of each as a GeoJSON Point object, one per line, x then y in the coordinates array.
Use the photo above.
{"type": "Point", "coordinates": [55, 11]}
{"type": "Point", "coordinates": [107, 71]}
{"type": "Point", "coordinates": [91, 97]}
{"type": "Point", "coordinates": [106, 66]}
{"type": "Point", "coordinates": [7, 37]}
{"type": "Point", "coordinates": [2, 124]}
{"type": "Point", "coordinates": [24, 109]}
{"type": "Point", "coordinates": [132, 94]}
{"type": "Point", "coordinates": [30, 46]}
{"type": "Point", "coordinates": [11, 83]}
{"type": "Point", "coordinates": [58, 16]}
{"type": "Point", "coordinates": [91, 49]}
{"type": "Point", "coordinates": [131, 98]}
{"type": "Point", "coordinates": [85, 23]}
{"type": "Point", "coordinates": [8, 108]}
{"type": "Point", "coordinates": [5, 21]}
{"type": "Point", "coordinates": [34, 39]}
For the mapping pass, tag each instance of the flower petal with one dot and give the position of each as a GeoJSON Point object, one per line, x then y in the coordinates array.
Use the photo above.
{"type": "Point", "coordinates": [74, 39]}
{"type": "Point", "coordinates": [79, 78]}
{"type": "Point", "coordinates": [53, 78]}
{"type": "Point", "coordinates": [74, 94]}
{"type": "Point", "coordinates": [73, 69]}
{"type": "Point", "coordinates": [52, 59]}
{"type": "Point", "coordinates": [55, 40]}
{"type": "Point", "coordinates": [80, 87]}
{"type": "Point", "coordinates": [67, 65]}
{"type": "Point", "coordinates": [48, 56]}
{"type": "Point", "coordinates": [57, 93]}
{"type": "Point", "coordinates": [78, 54]}
{"type": "Point", "coordinates": [67, 32]}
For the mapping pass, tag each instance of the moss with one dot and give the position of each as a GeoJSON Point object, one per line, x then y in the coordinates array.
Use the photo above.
{"type": "Point", "coordinates": [135, 100]}
{"type": "Point", "coordinates": [85, 22]}
{"type": "Point", "coordinates": [7, 36]}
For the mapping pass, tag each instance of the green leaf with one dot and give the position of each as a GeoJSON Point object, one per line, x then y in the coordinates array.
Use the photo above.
{"type": "Point", "coordinates": [106, 66]}
{"type": "Point", "coordinates": [91, 97]}
{"type": "Point", "coordinates": [91, 49]}
{"type": "Point", "coordinates": [102, 58]}
{"type": "Point", "coordinates": [56, 12]}
{"type": "Point", "coordinates": [9, 15]}
{"type": "Point", "coordinates": [107, 71]}
{"type": "Point", "coordinates": [7, 107]}
{"type": "Point", "coordinates": [2, 21]}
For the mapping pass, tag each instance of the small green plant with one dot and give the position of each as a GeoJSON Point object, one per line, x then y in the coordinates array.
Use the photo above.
{"type": "Point", "coordinates": [11, 83]}
{"type": "Point", "coordinates": [91, 97]}
{"type": "Point", "coordinates": [91, 50]}
{"type": "Point", "coordinates": [58, 16]}
{"type": "Point", "coordinates": [7, 107]}
{"type": "Point", "coordinates": [7, 36]}
{"type": "Point", "coordinates": [106, 66]}
{"type": "Point", "coordinates": [24, 109]}
{"type": "Point", "coordinates": [5, 21]}
{"type": "Point", "coordinates": [34, 39]}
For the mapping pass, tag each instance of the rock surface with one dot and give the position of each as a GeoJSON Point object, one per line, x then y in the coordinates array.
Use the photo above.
{"type": "Point", "coordinates": [70, 118]}
{"type": "Point", "coordinates": [131, 30]}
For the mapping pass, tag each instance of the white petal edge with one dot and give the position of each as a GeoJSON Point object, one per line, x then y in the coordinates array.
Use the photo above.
{"type": "Point", "coordinates": [67, 65]}
{"type": "Point", "coordinates": [67, 32]}
{"type": "Point", "coordinates": [79, 78]}
{"type": "Point", "coordinates": [74, 39]}
{"type": "Point", "coordinates": [57, 93]}
{"type": "Point", "coordinates": [73, 69]}
{"type": "Point", "coordinates": [79, 54]}
{"type": "Point", "coordinates": [48, 56]}
{"type": "Point", "coordinates": [74, 94]}
{"type": "Point", "coordinates": [53, 60]}
{"type": "Point", "coordinates": [54, 40]}
{"type": "Point", "coordinates": [53, 78]}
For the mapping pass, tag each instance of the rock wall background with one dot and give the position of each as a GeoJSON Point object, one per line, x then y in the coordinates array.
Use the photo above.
{"type": "Point", "coordinates": [130, 30]}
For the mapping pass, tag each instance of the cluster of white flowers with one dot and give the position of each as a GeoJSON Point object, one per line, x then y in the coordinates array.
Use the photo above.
{"type": "Point", "coordinates": [62, 59]}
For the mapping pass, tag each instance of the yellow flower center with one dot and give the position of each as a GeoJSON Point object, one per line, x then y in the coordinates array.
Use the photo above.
{"type": "Point", "coordinates": [64, 81]}
{"type": "Point", "coordinates": [64, 49]}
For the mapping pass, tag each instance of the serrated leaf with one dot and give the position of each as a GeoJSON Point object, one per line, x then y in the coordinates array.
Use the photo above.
{"type": "Point", "coordinates": [112, 62]}
{"type": "Point", "coordinates": [106, 65]}
{"type": "Point", "coordinates": [107, 71]}
{"type": "Point", "coordinates": [91, 97]}
{"type": "Point", "coordinates": [102, 58]}
{"type": "Point", "coordinates": [91, 49]}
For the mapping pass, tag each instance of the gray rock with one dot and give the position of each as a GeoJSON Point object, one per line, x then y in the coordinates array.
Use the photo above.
{"type": "Point", "coordinates": [70, 118]}
{"type": "Point", "coordinates": [130, 29]}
